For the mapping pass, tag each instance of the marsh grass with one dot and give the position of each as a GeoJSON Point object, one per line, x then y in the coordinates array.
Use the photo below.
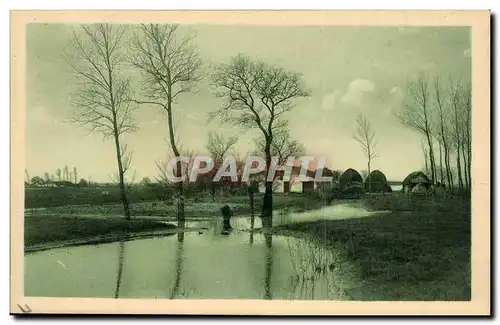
{"type": "Point", "coordinates": [319, 271]}
{"type": "Point", "coordinates": [419, 251]}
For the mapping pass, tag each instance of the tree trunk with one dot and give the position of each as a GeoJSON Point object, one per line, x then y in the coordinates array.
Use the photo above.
{"type": "Point", "coordinates": [179, 185]}
{"type": "Point", "coordinates": [459, 169]}
{"type": "Point", "coordinates": [426, 161]}
{"type": "Point", "coordinates": [267, 206]}
{"type": "Point", "coordinates": [469, 160]}
{"type": "Point", "coordinates": [180, 193]}
{"type": "Point", "coordinates": [123, 195]}
{"type": "Point", "coordinates": [441, 163]}
{"type": "Point", "coordinates": [466, 177]}
{"type": "Point", "coordinates": [369, 178]}
{"type": "Point", "coordinates": [431, 157]}
{"type": "Point", "coordinates": [449, 172]}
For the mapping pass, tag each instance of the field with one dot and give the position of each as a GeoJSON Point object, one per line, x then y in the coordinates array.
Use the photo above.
{"type": "Point", "coordinates": [419, 251]}
{"type": "Point", "coordinates": [60, 196]}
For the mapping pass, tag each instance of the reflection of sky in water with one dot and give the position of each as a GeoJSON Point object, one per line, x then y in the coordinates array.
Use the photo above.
{"type": "Point", "coordinates": [336, 212]}
{"type": "Point", "coordinates": [200, 265]}
{"type": "Point", "coordinates": [212, 267]}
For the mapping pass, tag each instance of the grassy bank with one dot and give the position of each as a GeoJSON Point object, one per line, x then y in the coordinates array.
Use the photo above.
{"type": "Point", "coordinates": [50, 231]}
{"type": "Point", "coordinates": [419, 251]}
{"type": "Point", "coordinates": [205, 207]}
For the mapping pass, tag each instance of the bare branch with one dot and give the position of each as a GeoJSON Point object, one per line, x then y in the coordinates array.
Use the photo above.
{"type": "Point", "coordinates": [256, 94]}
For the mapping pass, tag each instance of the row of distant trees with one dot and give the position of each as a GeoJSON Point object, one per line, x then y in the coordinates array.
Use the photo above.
{"type": "Point", "coordinates": [61, 177]}
{"type": "Point", "coordinates": [440, 110]}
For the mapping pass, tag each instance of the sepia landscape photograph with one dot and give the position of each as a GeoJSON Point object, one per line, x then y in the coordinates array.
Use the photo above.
{"type": "Point", "coordinates": [204, 161]}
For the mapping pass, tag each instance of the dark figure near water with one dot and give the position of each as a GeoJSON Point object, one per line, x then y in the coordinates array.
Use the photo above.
{"type": "Point", "coordinates": [226, 215]}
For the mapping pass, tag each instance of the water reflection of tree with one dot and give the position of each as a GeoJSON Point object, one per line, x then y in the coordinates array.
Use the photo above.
{"type": "Point", "coordinates": [268, 262]}
{"type": "Point", "coordinates": [316, 267]}
{"type": "Point", "coordinates": [254, 187]}
{"type": "Point", "coordinates": [178, 260]}
{"type": "Point", "coordinates": [121, 257]}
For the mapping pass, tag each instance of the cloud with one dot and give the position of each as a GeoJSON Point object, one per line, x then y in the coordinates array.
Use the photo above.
{"type": "Point", "coordinates": [356, 91]}
{"type": "Point", "coordinates": [329, 100]}
{"type": "Point", "coordinates": [397, 98]}
{"type": "Point", "coordinates": [467, 53]}
{"type": "Point", "coordinates": [396, 92]}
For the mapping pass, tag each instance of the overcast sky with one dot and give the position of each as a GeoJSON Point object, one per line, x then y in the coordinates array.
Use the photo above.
{"type": "Point", "coordinates": [347, 70]}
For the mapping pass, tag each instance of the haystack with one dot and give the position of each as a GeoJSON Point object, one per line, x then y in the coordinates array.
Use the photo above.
{"type": "Point", "coordinates": [415, 178]}
{"type": "Point", "coordinates": [349, 178]}
{"type": "Point", "coordinates": [419, 189]}
{"type": "Point", "coordinates": [376, 182]}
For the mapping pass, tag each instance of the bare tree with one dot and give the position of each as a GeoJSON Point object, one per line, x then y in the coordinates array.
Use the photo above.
{"type": "Point", "coordinates": [467, 126]}
{"type": "Point", "coordinates": [75, 175]}
{"type": "Point", "coordinates": [58, 174]}
{"type": "Point", "coordinates": [165, 171]}
{"type": "Point", "coordinates": [66, 173]}
{"type": "Point", "coordinates": [365, 136]}
{"type": "Point", "coordinates": [103, 93]}
{"type": "Point", "coordinates": [443, 128]}
{"type": "Point", "coordinates": [457, 135]}
{"type": "Point", "coordinates": [170, 66]}
{"type": "Point", "coordinates": [283, 147]}
{"type": "Point", "coordinates": [257, 96]}
{"type": "Point", "coordinates": [217, 145]}
{"type": "Point", "coordinates": [425, 153]}
{"type": "Point", "coordinates": [46, 177]}
{"type": "Point", "coordinates": [417, 114]}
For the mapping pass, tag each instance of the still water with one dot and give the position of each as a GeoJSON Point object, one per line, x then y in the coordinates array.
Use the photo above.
{"type": "Point", "coordinates": [206, 264]}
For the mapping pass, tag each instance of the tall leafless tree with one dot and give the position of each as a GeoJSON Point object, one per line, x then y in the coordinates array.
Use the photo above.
{"type": "Point", "coordinates": [66, 173]}
{"type": "Point", "coordinates": [257, 95]}
{"type": "Point", "coordinates": [467, 121]}
{"type": "Point", "coordinates": [457, 131]}
{"type": "Point", "coordinates": [102, 95]}
{"type": "Point", "coordinates": [365, 136]}
{"type": "Point", "coordinates": [75, 175]}
{"type": "Point", "coordinates": [170, 66]}
{"type": "Point", "coordinates": [283, 147]}
{"type": "Point", "coordinates": [417, 114]}
{"type": "Point", "coordinates": [443, 128]}
{"type": "Point", "coordinates": [218, 146]}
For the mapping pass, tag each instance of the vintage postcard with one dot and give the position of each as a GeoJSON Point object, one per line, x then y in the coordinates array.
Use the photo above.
{"type": "Point", "coordinates": [250, 162]}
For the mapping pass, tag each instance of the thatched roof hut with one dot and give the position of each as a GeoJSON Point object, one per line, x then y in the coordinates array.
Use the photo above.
{"type": "Point", "coordinates": [415, 178]}
{"type": "Point", "coordinates": [350, 177]}
{"type": "Point", "coordinates": [419, 189]}
{"type": "Point", "coordinates": [376, 182]}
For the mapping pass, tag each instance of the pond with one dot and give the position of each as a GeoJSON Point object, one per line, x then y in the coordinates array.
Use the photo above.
{"type": "Point", "coordinates": [206, 264]}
